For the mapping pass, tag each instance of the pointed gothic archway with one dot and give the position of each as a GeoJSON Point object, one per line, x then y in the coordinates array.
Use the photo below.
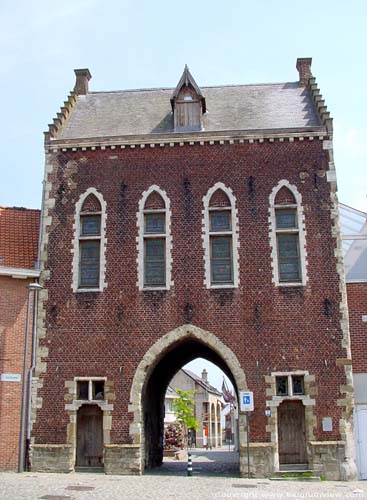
{"type": "Point", "coordinates": [154, 373]}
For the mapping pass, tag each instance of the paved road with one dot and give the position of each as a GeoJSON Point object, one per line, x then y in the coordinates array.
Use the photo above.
{"type": "Point", "coordinates": [84, 486]}
{"type": "Point", "coordinates": [216, 462]}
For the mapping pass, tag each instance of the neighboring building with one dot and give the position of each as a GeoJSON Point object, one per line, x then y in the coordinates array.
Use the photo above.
{"type": "Point", "coordinates": [184, 223]}
{"type": "Point", "coordinates": [354, 232]}
{"type": "Point", "coordinates": [19, 229]}
{"type": "Point", "coordinates": [208, 406]}
{"type": "Point", "coordinates": [230, 417]}
{"type": "Point", "coordinates": [169, 414]}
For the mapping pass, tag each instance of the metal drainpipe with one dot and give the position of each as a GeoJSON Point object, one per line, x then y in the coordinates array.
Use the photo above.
{"type": "Point", "coordinates": [24, 387]}
{"type": "Point", "coordinates": [30, 375]}
{"type": "Point", "coordinates": [23, 410]}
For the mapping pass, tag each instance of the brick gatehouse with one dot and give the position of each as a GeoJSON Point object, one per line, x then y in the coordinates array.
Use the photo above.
{"type": "Point", "coordinates": [186, 222]}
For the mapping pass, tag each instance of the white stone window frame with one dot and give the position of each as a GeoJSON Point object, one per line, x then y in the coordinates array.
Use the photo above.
{"type": "Point", "coordinates": [206, 234]}
{"type": "Point", "coordinates": [140, 216]}
{"type": "Point", "coordinates": [305, 398]}
{"type": "Point", "coordinates": [300, 230]}
{"type": "Point", "coordinates": [76, 243]}
{"type": "Point", "coordinates": [90, 381]}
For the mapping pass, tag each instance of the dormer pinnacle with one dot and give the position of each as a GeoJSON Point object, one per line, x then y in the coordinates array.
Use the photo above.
{"type": "Point", "coordinates": [188, 104]}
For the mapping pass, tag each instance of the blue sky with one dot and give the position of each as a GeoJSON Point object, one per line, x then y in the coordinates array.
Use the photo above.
{"type": "Point", "coordinates": [137, 44]}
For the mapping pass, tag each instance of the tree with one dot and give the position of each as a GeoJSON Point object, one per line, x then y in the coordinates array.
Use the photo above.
{"type": "Point", "coordinates": [184, 408]}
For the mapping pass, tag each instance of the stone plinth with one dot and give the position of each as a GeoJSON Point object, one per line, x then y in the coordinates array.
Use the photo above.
{"type": "Point", "coordinates": [261, 460]}
{"type": "Point", "coordinates": [52, 458]}
{"type": "Point", "coordinates": [327, 459]}
{"type": "Point", "coordinates": [122, 459]}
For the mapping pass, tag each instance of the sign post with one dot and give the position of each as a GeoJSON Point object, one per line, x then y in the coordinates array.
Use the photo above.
{"type": "Point", "coordinates": [247, 405]}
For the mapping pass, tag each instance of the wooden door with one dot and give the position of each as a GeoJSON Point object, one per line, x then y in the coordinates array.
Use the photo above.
{"type": "Point", "coordinates": [291, 433]}
{"type": "Point", "coordinates": [89, 449]}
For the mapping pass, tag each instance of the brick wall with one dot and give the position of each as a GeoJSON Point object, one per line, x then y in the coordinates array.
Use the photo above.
{"type": "Point", "coordinates": [282, 329]}
{"type": "Point", "coordinates": [13, 304]}
{"type": "Point", "coordinates": [357, 306]}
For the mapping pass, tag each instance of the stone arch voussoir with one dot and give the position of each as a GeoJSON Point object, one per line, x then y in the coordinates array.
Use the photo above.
{"type": "Point", "coordinates": [157, 351]}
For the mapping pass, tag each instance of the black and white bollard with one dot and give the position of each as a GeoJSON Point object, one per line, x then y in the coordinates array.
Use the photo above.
{"type": "Point", "coordinates": [189, 464]}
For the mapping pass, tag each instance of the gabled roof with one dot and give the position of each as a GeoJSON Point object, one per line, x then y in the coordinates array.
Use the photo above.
{"type": "Point", "coordinates": [146, 112]}
{"type": "Point", "coordinates": [19, 228]}
{"type": "Point", "coordinates": [186, 80]}
{"type": "Point", "coordinates": [200, 381]}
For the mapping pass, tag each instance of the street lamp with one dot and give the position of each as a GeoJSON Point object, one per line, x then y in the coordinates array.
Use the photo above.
{"type": "Point", "coordinates": [25, 409]}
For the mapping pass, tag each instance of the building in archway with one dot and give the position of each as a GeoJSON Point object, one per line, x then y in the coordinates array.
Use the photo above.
{"type": "Point", "coordinates": [192, 222]}
{"type": "Point", "coordinates": [208, 406]}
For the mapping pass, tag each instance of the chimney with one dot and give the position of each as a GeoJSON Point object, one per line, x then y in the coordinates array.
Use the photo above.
{"type": "Point", "coordinates": [82, 78]}
{"type": "Point", "coordinates": [204, 376]}
{"type": "Point", "coordinates": [304, 69]}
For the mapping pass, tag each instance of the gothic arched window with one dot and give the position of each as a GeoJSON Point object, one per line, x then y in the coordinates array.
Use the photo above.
{"type": "Point", "coordinates": [220, 238]}
{"type": "Point", "coordinates": [287, 235]}
{"type": "Point", "coordinates": [89, 242]}
{"type": "Point", "coordinates": [154, 248]}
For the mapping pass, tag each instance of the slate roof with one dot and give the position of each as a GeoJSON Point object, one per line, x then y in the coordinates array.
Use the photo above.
{"type": "Point", "coordinates": [19, 237]}
{"type": "Point", "coordinates": [275, 106]}
{"type": "Point", "coordinates": [201, 382]}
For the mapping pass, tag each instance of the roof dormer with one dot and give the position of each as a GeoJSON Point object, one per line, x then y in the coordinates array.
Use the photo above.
{"type": "Point", "coordinates": [188, 104]}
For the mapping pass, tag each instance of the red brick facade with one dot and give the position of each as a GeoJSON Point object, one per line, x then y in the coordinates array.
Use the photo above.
{"type": "Point", "coordinates": [357, 307]}
{"type": "Point", "coordinates": [284, 329]}
{"type": "Point", "coordinates": [13, 305]}
{"type": "Point", "coordinates": [18, 254]}
{"type": "Point", "coordinates": [258, 328]}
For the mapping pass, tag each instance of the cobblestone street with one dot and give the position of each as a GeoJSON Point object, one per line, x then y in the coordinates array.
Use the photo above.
{"type": "Point", "coordinates": [168, 486]}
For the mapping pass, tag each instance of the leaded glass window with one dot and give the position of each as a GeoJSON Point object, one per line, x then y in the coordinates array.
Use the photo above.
{"type": "Point", "coordinates": [89, 245]}
{"type": "Point", "coordinates": [286, 218]}
{"type": "Point", "coordinates": [220, 233]}
{"type": "Point", "coordinates": [89, 264]}
{"type": "Point", "coordinates": [288, 256]}
{"type": "Point", "coordinates": [287, 234]}
{"type": "Point", "coordinates": [220, 220]}
{"type": "Point", "coordinates": [221, 259]}
{"type": "Point", "coordinates": [154, 223]}
{"type": "Point", "coordinates": [90, 225]}
{"type": "Point", "coordinates": [155, 240]}
{"type": "Point", "coordinates": [154, 262]}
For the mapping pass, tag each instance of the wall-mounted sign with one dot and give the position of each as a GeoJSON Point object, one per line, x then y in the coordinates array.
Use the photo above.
{"type": "Point", "coordinates": [10, 377]}
{"type": "Point", "coordinates": [246, 401]}
{"type": "Point", "coordinates": [327, 424]}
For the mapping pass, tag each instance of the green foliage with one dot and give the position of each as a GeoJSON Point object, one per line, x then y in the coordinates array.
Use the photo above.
{"type": "Point", "coordinates": [184, 408]}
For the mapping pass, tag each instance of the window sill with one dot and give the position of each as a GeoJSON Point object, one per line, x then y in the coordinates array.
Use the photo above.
{"type": "Point", "coordinates": [295, 284]}
{"type": "Point", "coordinates": [154, 288]}
{"type": "Point", "coordinates": [211, 287]}
{"type": "Point", "coordinates": [85, 290]}
{"type": "Point", "coordinates": [90, 401]}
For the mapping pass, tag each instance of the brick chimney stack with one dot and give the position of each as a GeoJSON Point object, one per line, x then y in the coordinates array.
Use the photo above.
{"type": "Point", "coordinates": [304, 69]}
{"type": "Point", "coordinates": [82, 78]}
{"type": "Point", "coordinates": [204, 376]}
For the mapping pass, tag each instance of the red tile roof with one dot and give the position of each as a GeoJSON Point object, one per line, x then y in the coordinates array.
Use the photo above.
{"type": "Point", "coordinates": [18, 237]}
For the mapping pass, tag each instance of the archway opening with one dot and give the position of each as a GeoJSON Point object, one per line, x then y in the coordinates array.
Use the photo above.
{"type": "Point", "coordinates": [168, 367]}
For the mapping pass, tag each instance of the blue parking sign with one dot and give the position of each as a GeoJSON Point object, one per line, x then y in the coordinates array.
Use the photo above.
{"type": "Point", "coordinates": [246, 401]}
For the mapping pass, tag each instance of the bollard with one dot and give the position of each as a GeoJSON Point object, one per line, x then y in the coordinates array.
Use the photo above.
{"type": "Point", "coordinates": [189, 464]}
